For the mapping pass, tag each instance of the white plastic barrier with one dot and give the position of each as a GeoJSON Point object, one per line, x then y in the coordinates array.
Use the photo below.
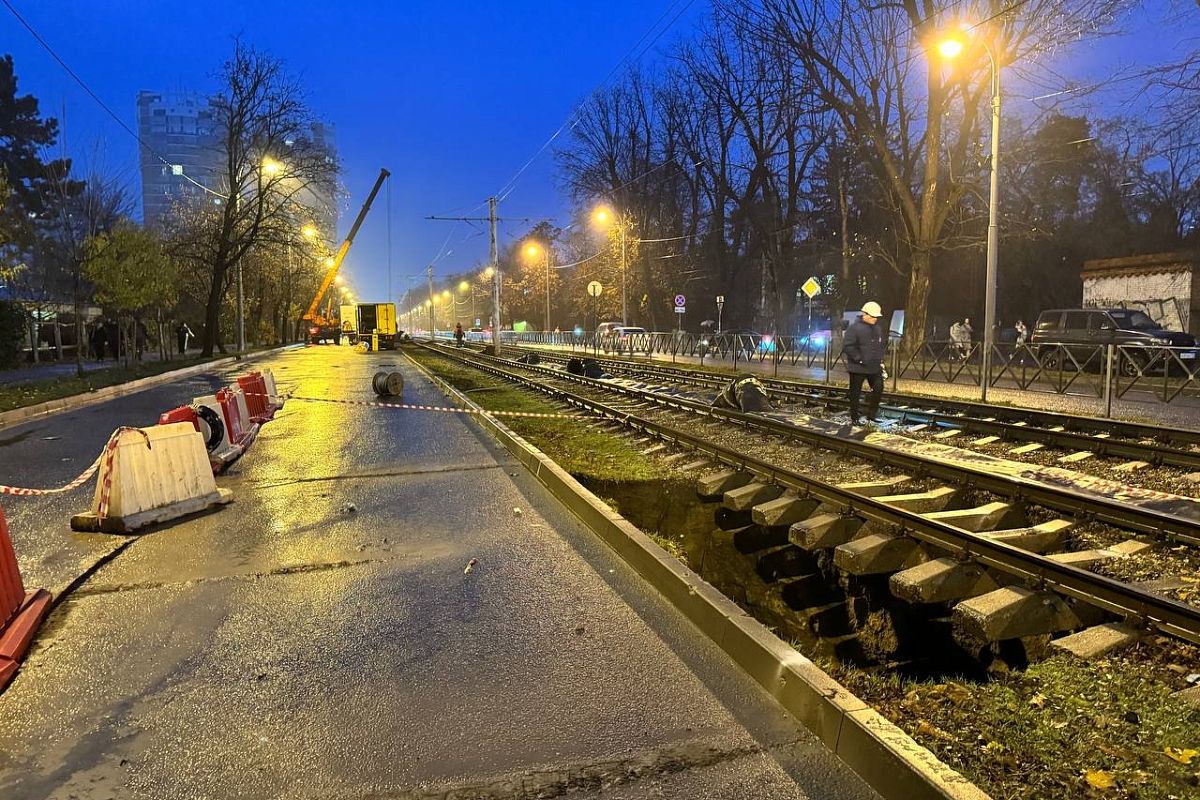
{"type": "Point", "coordinates": [248, 426]}
{"type": "Point", "coordinates": [225, 451]}
{"type": "Point", "coordinates": [272, 390]}
{"type": "Point", "coordinates": [151, 475]}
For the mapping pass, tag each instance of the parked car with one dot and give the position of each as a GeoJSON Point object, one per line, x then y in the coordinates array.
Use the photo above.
{"type": "Point", "coordinates": [1082, 332]}
{"type": "Point", "coordinates": [626, 339]}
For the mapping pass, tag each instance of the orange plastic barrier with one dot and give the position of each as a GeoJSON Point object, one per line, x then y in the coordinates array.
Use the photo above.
{"type": "Point", "coordinates": [21, 612]}
{"type": "Point", "coordinates": [258, 400]}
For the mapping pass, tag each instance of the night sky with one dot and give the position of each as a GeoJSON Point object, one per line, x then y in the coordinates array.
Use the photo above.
{"type": "Point", "coordinates": [451, 97]}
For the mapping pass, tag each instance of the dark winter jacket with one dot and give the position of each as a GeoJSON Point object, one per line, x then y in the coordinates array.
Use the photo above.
{"type": "Point", "coordinates": [864, 348]}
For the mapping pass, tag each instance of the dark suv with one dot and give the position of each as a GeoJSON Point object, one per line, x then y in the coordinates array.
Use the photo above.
{"type": "Point", "coordinates": [1082, 331]}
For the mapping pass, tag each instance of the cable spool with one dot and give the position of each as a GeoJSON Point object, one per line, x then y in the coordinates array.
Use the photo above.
{"type": "Point", "coordinates": [212, 421]}
{"type": "Point", "coordinates": [388, 384]}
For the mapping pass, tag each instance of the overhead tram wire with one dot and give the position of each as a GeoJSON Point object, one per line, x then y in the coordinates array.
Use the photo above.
{"type": "Point", "coordinates": [572, 118]}
{"type": "Point", "coordinates": [83, 84]}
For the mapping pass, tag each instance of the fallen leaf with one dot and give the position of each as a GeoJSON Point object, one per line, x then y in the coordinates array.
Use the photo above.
{"type": "Point", "coordinates": [470, 567]}
{"type": "Point", "coordinates": [1099, 779]}
{"type": "Point", "coordinates": [1038, 700]}
{"type": "Point", "coordinates": [1182, 755]}
{"type": "Point", "coordinates": [516, 512]}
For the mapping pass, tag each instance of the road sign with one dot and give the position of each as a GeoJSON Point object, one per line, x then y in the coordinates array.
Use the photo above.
{"type": "Point", "coordinates": [811, 288]}
{"type": "Point", "coordinates": [477, 323]}
{"type": "Point", "coordinates": [594, 288]}
{"type": "Point", "coordinates": [680, 301]}
{"type": "Point", "coordinates": [720, 300]}
{"type": "Point", "coordinates": [680, 309]}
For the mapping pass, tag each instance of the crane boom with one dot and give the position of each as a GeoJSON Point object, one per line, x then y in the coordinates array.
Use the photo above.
{"type": "Point", "coordinates": [311, 314]}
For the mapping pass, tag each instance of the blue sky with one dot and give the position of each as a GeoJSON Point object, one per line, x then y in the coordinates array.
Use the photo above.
{"type": "Point", "coordinates": [452, 97]}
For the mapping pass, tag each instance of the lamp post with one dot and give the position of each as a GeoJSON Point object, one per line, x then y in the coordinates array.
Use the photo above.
{"type": "Point", "coordinates": [605, 218]}
{"type": "Point", "coordinates": [950, 48]}
{"type": "Point", "coordinates": [532, 250]}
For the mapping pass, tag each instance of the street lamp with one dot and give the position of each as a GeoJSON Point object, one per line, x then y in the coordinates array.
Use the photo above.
{"type": "Point", "coordinates": [308, 231]}
{"type": "Point", "coordinates": [532, 250]}
{"type": "Point", "coordinates": [604, 218]}
{"type": "Point", "coordinates": [949, 48]}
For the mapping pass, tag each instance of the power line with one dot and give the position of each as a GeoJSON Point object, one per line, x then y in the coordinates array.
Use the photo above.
{"type": "Point", "coordinates": [572, 118]}
{"type": "Point", "coordinates": [102, 104]}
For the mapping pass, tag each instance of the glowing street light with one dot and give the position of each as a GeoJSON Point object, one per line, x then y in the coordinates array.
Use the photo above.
{"type": "Point", "coordinates": [532, 251]}
{"type": "Point", "coordinates": [308, 231]}
{"type": "Point", "coordinates": [271, 167]}
{"type": "Point", "coordinates": [949, 48]}
{"type": "Point", "coordinates": [464, 286]}
{"type": "Point", "coordinates": [604, 218]}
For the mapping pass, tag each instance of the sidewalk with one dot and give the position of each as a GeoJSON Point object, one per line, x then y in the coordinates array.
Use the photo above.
{"type": "Point", "coordinates": [321, 637]}
{"type": "Point", "coordinates": [45, 370]}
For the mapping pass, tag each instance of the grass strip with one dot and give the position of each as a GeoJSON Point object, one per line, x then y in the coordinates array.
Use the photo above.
{"type": "Point", "coordinates": [577, 446]}
{"type": "Point", "coordinates": [1063, 727]}
{"type": "Point", "coordinates": [19, 395]}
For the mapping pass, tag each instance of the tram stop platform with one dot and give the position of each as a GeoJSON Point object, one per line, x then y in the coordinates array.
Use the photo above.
{"type": "Point", "coordinates": [323, 637]}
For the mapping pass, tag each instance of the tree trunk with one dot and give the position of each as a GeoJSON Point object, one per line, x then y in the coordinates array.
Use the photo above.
{"type": "Point", "coordinates": [915, 314]}
{"type": "Point", "coordinates": [212, 311]}
{"type": "Point", "coordinates": [837, 304]}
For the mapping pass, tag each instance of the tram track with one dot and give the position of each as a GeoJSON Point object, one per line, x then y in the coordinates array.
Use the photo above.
{"type": "Point", "coordinates": [1156, 446]}
{"type": "Point", "coordinates": [843, 514]}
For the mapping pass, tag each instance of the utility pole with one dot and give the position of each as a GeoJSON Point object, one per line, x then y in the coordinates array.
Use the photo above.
{"type": "Point", "coordinates": [431, 320]}
{"type": "Point", "coordinates": [547, 288]}
{"type": "Point", "coordinates": [494, 256]}
{"type": "Point", "coordinates": [624, 269]}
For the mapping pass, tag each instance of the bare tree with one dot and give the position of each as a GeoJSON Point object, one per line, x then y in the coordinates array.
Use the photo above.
{"type": "Point", "coordinates": [269, 162]}
{"type": "Point", "coordinates": [917, 119]}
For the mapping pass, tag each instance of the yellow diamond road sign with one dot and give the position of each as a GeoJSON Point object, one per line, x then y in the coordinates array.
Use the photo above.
{"type": "Point", "coordinates": [811, 288]}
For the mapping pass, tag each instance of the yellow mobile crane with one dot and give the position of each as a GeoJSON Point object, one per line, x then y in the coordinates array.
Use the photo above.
{"type": "Point", "coordinates": [320, 327]}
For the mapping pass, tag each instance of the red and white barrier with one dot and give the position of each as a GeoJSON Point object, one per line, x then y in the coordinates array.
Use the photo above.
{"type": "Point", "coordinates": [151, 475]}
{"type": "Point", "coordinates": [272, 390]}
{"type": "Point", "coordinates": [259, 403]}
{"type": "Point", "coordinates": [242, 429]}
{"type": "Point", "coordinates": [21, 611]}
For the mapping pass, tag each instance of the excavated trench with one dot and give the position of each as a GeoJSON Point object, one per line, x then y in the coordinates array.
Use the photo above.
{"type": "Point", "coordinates": [798, 594]}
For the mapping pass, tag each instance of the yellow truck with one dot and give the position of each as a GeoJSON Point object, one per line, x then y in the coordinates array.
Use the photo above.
{"type": "Point", "coordinates": [373, 323]}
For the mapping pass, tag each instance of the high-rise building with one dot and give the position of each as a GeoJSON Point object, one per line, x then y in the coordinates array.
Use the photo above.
{"type": "Point", "coordinates": [322, 199]}
{"type": "Point", "coordinates": [182, 128]}
{"type": "Point", "coordinates": [178, 127]}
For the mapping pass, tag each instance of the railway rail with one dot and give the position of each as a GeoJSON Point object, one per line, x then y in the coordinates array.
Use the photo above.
{"type": "Point", "coordinates": [1137, 606]}
{"type": "Point", "coordinates": [1155, 445]}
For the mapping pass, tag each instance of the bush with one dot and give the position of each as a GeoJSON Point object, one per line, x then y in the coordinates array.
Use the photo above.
{"type": "Point", "coordinates": [12, 333]}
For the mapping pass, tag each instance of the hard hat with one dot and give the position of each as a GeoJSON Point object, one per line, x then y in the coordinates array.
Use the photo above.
{"type": "Point", "coordinates": [872, 309]}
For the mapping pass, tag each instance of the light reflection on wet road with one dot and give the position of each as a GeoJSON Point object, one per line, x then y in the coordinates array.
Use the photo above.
{"type": "Point", "coordinates": [290, 645]}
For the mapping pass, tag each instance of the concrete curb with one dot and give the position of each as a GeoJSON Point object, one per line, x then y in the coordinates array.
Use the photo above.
{"type": "Point", "coordinates": [884, 756]}
{"type": "Point", "coordinates": [18, 416]}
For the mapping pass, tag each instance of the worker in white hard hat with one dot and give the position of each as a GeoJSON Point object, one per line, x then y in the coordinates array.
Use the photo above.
{"type": "Point", "coordinates": [863, 348]}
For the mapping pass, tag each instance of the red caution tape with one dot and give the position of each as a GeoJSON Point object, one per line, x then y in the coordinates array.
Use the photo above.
{"type": "Point", "coordinates": [448, 410]}
{"type": "Point", "coordinates": [106, 456]}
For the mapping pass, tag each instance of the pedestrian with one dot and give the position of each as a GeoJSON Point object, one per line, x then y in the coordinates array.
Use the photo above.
{"type": "Point", "coordinates": [113, 335]}
{"type": "Point", "coordinates": [863, 347]}
{"type": "Point", "coordinates": [182, 334]}
{"type": "Point", "coordinates": [140, 338]}
{"type": "Point", "coordinates": [968, 333]}
{"type": "Point", "coordinates": [98, 339]}
{"type": "Point", "coordinates": [458, 334]}
{"type": "Point", "coordinates": [955, 339]}
{"type": "Point", "coordinates": [1022, 333]}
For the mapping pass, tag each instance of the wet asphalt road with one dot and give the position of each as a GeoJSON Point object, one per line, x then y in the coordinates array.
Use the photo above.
{"type": "Point", "coordinates": [287, 646]}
